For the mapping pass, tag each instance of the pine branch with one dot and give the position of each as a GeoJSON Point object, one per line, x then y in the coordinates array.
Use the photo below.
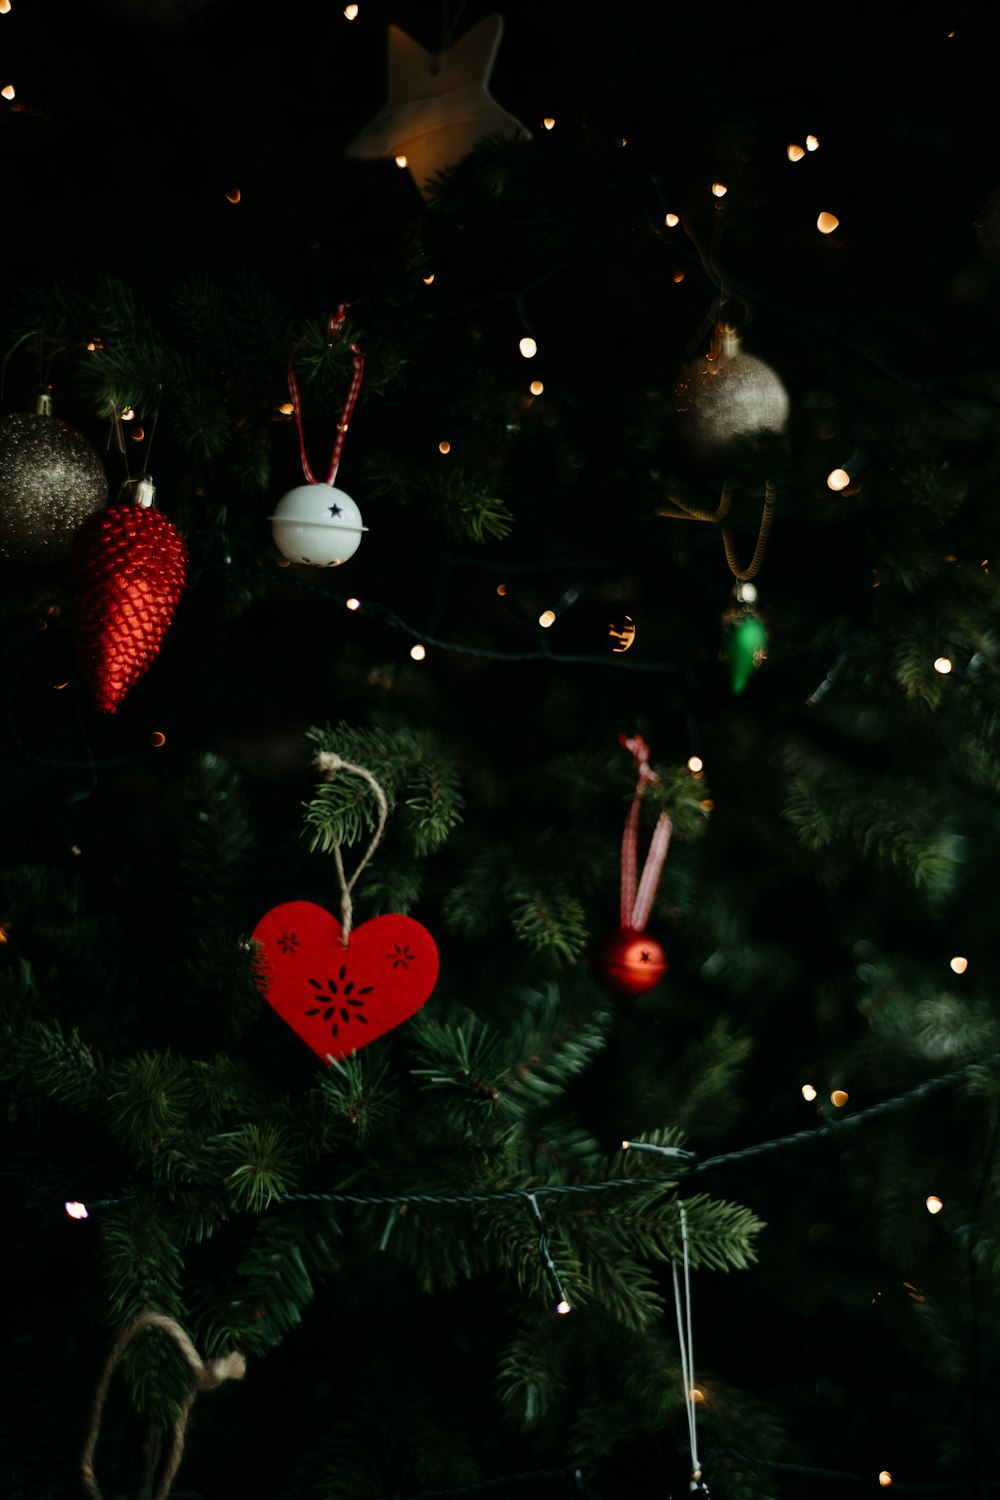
{"type": "Point", "coordinates": [547, 918]}
{"type": "Point", "coordinates": [895, 829]}
{"type": "Point", "coordinates": [359, 1094]}
{"type": "Point", "coordinates": [261, 1165]}
{"type": "Point", "coordinates": [513, 1073]}
{"type": "Point", "coordinates": [418, 775]}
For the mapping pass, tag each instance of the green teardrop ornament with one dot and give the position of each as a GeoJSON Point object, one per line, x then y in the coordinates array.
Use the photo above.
{"type": "Point", "coordinates": [746, 647]}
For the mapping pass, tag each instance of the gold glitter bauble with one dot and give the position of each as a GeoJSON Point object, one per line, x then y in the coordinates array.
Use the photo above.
{"type": "Point", "coordinates": [726, 401]}
{"type": "Point", "coordinates": [51, 480]}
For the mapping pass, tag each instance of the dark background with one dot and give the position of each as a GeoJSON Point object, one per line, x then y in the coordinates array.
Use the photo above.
{"type": "Point", "coordinates": [130, 125]}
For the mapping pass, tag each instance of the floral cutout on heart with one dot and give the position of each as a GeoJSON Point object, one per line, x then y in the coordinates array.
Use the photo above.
{"type": "Point", "coordinates": [340, 1000]}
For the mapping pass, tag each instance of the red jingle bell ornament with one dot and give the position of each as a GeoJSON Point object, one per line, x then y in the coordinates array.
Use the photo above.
{"type": "Point", "coordinates": [629, 961]}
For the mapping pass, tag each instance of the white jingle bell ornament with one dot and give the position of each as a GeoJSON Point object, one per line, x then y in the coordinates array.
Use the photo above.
{"type": "Point", "coordinates": [317, 524]}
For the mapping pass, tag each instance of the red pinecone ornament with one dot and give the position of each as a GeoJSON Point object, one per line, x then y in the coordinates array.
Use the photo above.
{"type": "Point", "coordinates": [128, 568]}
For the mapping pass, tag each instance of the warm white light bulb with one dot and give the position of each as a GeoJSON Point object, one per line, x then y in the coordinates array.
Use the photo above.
{"type": "Point", "coordinates": [827, 223]}
{"type": "Point", "coordinates": [719, 190]}
{"type": "Point", "coordinates": [549, 123]}
{"type": "Point", "coordinates": [884, 1478]}
{"type": "Point", "coordinates": [400, 161]}
{"type": "Point", "coordinates": [444, 446]}
{"type": "Point", "coordinates": [672, 221]}
{"type": "Point", "coordinates": [838, 479]}
{"type": "Point", "coordinates": [958, 965]}
{"type": "Point", "coordinates": [428, 280]}
{"type": "Point", "coordinates": [746, 593]}
{"type": "Point", "coordinates": [350, 11]}
{"type": "Point", "coordinates": [547, 618]}
{"type": "Point", "coordinates": [536, 387]}
{"type": "Point", "coordinates": [934, 1204]}
{"type": "Point", "coordinates": [418, 652]}
{"type": "Point", "coordinates": [4, 7]}
{"type": "Point", "coordinates": [528, 347]}
{"type": "Point", "coordinates": [7, 91]}
{"type": "Point", "coordinates": [812, 144]}
{"type": "Point", "coordinates": [795, 153]}
{"type": "Point", "coordinates": [838, 1098]}
{"type": "Point", "coordinates": [127, 414]}
{"type": "Point", "coordinates": [353, 603]}
{"type": "Point", "coordinates": [564, 1307]}
{"type": "Point", "coordinates": [695, 764]}
{"type": "Point", "coordinates": [808, 1092]}
{"type": "Point", "coordinates": [76, 1210]}
{"type": "Point", "coordinates": [942, 665]}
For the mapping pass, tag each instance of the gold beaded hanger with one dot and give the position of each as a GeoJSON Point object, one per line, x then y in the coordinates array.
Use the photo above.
{"type": "Point", "coordinates": [681, 510]}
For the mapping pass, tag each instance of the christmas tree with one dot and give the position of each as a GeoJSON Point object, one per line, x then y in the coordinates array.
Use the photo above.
{"type": "Point", "coordinates": [501, 791]}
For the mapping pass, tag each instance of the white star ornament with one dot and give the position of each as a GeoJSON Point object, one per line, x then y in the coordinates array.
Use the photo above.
{"type": "Point", "coordinates": [439, 104]}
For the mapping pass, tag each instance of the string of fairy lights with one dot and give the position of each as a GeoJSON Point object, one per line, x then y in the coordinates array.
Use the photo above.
{"type": "Point", "coordinates": [686, 1165]}
{"type": "Point", "coordinates": [687, 1162]}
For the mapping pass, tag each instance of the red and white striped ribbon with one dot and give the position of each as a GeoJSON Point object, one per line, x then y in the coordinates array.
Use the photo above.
{"type": "Point", "coordinates": [638, 895]}
{"type": "Point", "coordinates": [336, 323]}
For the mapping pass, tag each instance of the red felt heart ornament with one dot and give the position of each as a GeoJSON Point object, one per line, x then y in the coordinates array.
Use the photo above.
{"type": "Point", "coordinates": [339, 999]}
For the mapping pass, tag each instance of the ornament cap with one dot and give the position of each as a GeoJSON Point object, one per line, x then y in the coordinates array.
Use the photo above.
{"type": "Point", "coordinates": [140, 491]}
{"type": "Point", "coordinates": [144, 491]}
{"type": "Point", "coordinates": [43, 404]}
{"type": "Point", "coordinates": [730, 342]}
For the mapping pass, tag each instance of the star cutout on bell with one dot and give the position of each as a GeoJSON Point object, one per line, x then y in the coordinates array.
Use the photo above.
{"type": "Point", "coordinates": [334, 510]}
{"type": "Point", "coordinates": [439, 104]}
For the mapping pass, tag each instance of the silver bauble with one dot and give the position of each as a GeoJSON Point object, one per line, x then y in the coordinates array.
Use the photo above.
{"type": "Point", "coordinates": [51, 480]}
{"type": "Point", "coordinates": [728, 400]}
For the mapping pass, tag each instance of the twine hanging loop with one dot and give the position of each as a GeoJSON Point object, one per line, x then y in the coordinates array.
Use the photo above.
{"type": "Point", "coordinates": [205, 1376]}
{"type": "Point", "coordinates": [330, 763]}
